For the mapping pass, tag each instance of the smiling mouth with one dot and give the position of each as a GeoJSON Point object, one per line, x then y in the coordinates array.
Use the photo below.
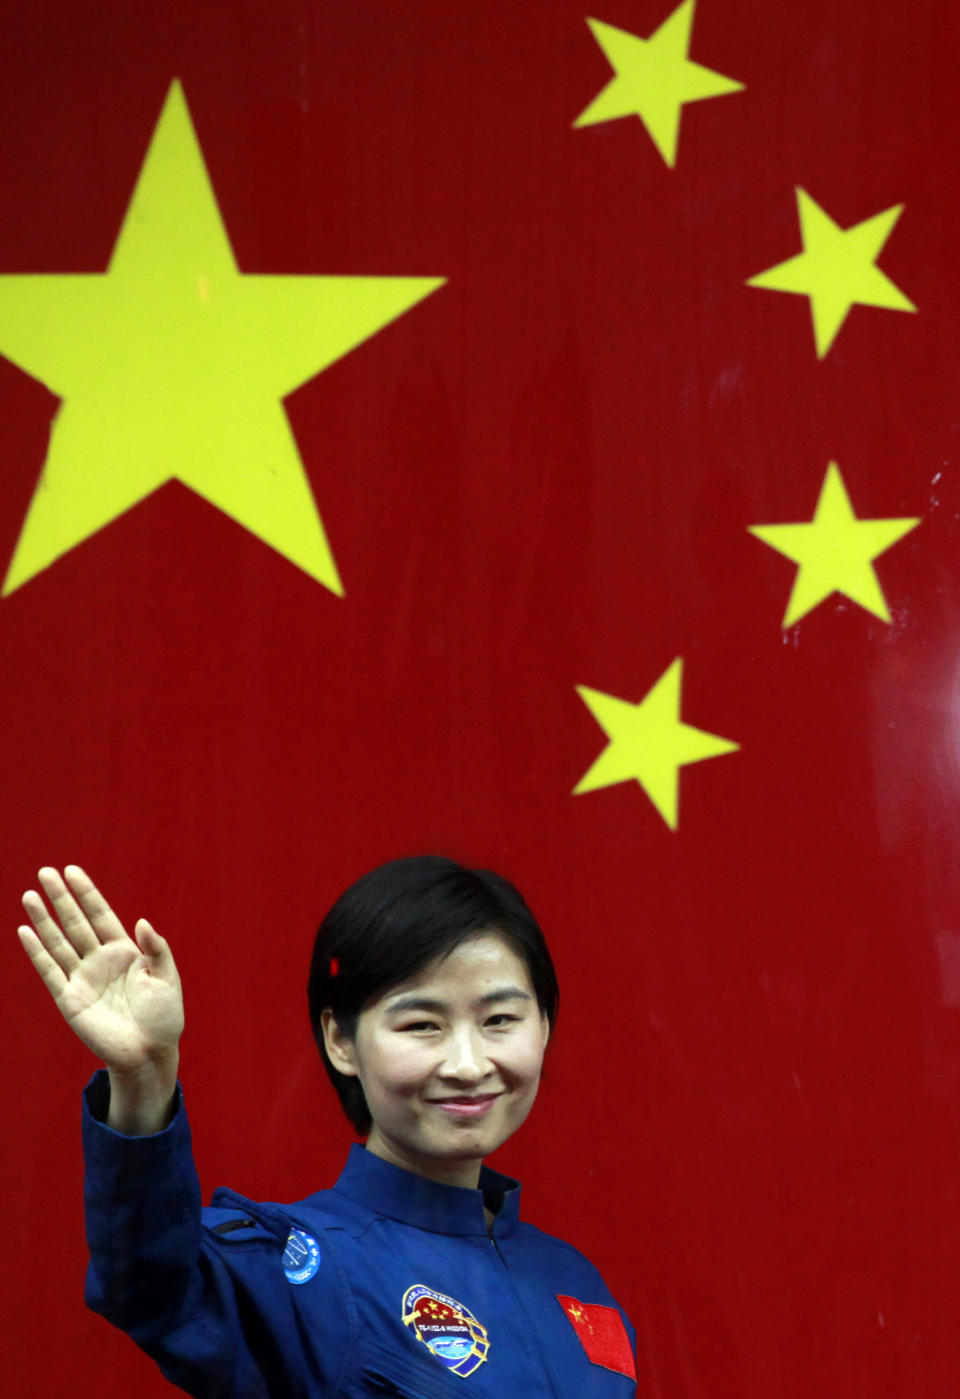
{"type": "Point", "coordinates": [466, 1107]}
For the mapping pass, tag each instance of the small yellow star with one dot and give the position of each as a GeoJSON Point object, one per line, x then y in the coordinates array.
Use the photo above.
{"type": "Point", "coordinates": [648, 742]}
{"type": "Point", "coordinates": [654, 78]}
{"type": "Point", "coordinates": [837, 269]}
{"type": "Point", "coordinates": [834, 551]}
{"type": "Point", "coordinates": [172, 365]}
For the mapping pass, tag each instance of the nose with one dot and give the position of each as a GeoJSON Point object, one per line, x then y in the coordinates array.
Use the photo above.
{"type": "Point", "coordinates": [465, 1061]}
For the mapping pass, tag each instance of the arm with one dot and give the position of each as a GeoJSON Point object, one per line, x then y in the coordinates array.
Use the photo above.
{"type": "Point", "coordinates": [211, 1317]}
{"type": "Point", "coordinates": [216, 1312]}
{"type": "Point", "coordinates": [120, 995]}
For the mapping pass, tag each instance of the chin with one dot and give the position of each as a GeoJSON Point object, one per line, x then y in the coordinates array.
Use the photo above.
{"type": "Point", "coordinates": [476, 1144]}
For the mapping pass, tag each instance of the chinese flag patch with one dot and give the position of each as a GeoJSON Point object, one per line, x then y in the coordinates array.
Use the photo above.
{"type": "Point", "coordinates": [602, 1335]}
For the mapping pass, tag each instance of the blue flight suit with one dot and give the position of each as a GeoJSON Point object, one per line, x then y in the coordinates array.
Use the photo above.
{"type": "Point", "coordinates": [388, 1284]}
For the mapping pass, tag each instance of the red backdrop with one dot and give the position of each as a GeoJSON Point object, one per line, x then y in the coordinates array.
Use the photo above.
{"type": "Point", "coordinates": [540, 476]}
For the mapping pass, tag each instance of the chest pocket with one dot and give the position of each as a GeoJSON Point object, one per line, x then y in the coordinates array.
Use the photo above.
{"type": "Point", "coordinates": [386, 1374]}
{"type": "Point", "coordinates": [375, 1383]}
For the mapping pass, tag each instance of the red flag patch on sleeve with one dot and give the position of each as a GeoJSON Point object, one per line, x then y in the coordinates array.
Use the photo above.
{"type": "Point", "coordinates": [602, 1335]}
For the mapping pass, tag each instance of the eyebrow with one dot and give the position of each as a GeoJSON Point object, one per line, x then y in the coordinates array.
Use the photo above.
{"type": "Point", "coordinates": [438, 1007]}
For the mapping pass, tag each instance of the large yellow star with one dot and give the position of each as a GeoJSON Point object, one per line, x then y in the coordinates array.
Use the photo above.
{"type": "Point", "coordinates": [835, 551]}
{"type": "Point", "coordinates": [173, 365]}
{"type": "Point", "coordinates": [654, 78]}
{"type": "Point", "coordinates": [837, 269]}
{"type": "Point", "coordinates": [648, 742]}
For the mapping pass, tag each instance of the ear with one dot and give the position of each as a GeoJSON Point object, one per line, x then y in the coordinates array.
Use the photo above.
{"type": "Point", "coordinates": [341, 1050]}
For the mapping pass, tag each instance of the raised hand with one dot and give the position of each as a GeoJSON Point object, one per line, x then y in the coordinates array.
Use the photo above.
{"type": "Point", "coordinates": [121, 996]}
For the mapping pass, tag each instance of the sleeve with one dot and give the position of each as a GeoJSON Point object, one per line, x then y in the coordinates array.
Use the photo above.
{"type": "Point", "coordinates": [209, 1303]}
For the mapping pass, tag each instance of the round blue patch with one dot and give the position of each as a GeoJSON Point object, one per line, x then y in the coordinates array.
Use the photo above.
{"type": "Point", "coordinates": [301, 1257]}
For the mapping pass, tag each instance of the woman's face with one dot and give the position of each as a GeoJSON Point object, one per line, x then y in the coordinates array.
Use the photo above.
{"type": "Point", "coordinates": [449, 1060]}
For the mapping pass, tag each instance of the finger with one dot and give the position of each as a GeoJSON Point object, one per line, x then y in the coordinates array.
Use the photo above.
{"type": "Point", "coordinates": [149, 941]}
{"type": "Point", "coordinates": [72, 919]}
{"type": "Point", "coordinates": [50, 973]}
{"type": "Point", "coordinates": [50, 933]}
{"type": "Point", "coordinates": [105, 922]}
{"type": "Point", "coordinates": [156, 949]}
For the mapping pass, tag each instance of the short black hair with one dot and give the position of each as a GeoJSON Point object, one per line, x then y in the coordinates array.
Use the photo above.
{"type": "Point", "coordinates": [394, 921]}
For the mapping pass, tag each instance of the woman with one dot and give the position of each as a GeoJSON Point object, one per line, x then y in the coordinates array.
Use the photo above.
{"type": "Point", "coordinates": [432, 997]}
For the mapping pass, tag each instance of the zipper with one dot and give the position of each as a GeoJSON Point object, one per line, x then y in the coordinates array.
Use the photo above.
{"type": "Point", "coordinates": [524, 1312]}
{"type": "Point", "coordinates": [229, 1225]}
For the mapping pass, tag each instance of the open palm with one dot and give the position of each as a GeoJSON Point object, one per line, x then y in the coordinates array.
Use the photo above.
{"type": "Point", "coordinates": [121, 996]}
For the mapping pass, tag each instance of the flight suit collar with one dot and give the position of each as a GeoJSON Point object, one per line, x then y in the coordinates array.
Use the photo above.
{"type": "Point", "coordinates": [390, 1191]}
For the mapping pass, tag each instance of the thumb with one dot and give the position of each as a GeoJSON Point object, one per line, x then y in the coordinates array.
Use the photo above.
{"type": "Point", "coordinates": [155, 948]}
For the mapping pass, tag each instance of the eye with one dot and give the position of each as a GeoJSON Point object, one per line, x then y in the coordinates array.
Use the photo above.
{"type": "Point", "coordinates": [417, 1026]}
{"type": "Point", "coordinates": [502, 1019]}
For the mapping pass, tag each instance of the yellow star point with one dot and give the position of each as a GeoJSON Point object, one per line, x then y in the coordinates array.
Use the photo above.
{"type": "Point", "coordinates": [648, 742]}
{"type": "Point", "coordinates": [654, 78]}
{"type": "Point", "coordinates": [837, 269]}
{"type": "Point", "coordinates": [834, 552]}
{"type": "Point", "coordinates": [173, 365]}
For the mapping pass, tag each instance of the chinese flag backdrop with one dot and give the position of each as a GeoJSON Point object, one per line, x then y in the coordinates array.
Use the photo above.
{"type": "Point", "coordinates": [537, 484]}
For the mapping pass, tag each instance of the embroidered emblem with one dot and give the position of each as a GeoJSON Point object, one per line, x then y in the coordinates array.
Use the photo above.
{"type": "Point", "coordinates": [301, 1257]}
{"type": "Point", "coordinates": [447, 1328]}
{"type": "Point", "coordinates": [602, 1334]}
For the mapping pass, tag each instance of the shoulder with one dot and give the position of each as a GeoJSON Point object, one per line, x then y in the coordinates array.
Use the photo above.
{"type": "Point", "coordinates": [258, 1241]}
{"type": "Point", "coordinates": [234, 1221]}
{"type": "Point", "coordinates": [541, 1241]}
{"type": "Point", "coordinates": [563, 1262]}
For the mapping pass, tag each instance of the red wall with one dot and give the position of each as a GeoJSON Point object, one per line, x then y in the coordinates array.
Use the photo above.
{"type": "Point", "coordinates": [540, 477]}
